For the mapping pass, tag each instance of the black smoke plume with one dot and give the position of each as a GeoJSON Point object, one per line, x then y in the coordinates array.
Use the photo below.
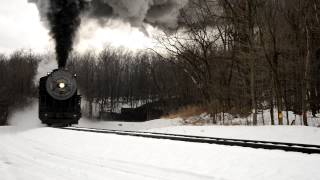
{"type": "Point", "coordinates": [64, 20]}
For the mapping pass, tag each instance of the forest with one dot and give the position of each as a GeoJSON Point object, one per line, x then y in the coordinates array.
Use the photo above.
{"type": "Point", "coordinates": [231, 56]}
{"type": "Point", "coordinates": [17, 73]}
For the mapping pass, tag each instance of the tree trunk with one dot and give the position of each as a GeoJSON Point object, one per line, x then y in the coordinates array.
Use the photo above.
{"type": "Point", "coordinates": [253, 92]}
{"type": "Point", "coordinates": [305, 80]}
{"type": "Point", "coordinates": [90, 108]}
{"type": "Point", "coordinates": [271, 108]}
{"type": "Point", "coordinates": [277, 88]}
{"type": "Point", "coordinates": [262, 116]}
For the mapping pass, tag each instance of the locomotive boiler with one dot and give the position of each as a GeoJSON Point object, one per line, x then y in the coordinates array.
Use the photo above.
{"type": "Point", "coordinates": [59, 101]}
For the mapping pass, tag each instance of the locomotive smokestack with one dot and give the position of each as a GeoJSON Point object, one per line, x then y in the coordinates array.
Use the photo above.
{"type": "Point", "coordinates": [64, 20]}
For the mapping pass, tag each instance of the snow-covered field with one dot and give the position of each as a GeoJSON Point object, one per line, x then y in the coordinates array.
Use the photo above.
{"type": "Point", "coordinates": [46, 153]}
{"type": "Point", "coordinates": [30, 151]}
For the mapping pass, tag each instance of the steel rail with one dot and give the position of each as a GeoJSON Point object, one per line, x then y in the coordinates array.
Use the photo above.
{"type": "Point", "coordinates": [257, 144]}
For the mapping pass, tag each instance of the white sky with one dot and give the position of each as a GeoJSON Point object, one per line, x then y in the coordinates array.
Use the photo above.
{"type": "Point", "coordinates": [20, 28]}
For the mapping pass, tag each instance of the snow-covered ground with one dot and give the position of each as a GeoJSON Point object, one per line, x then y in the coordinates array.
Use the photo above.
{"type": "Point", "coordinates": [30, 151]}
{"type": "Point", "coordinates": [46, 153]}
{"type": "Point", "coordinates": [293, 134]}
{"type": "Point", "coordinates": [263, 118]}
{"type": "Point", "coordinates": [130, 126]}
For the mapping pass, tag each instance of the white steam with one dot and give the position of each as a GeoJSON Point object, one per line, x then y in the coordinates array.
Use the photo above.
{"type": "Point", "coordinates": [26, 118]}
{"type": "Point", "coordinates": [163, 13]}
{"type": "Point", "coordinates": [47, 65]}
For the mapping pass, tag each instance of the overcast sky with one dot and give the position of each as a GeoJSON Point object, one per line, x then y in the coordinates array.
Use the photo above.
{"type": "Point", "coordinates": [21, 28]}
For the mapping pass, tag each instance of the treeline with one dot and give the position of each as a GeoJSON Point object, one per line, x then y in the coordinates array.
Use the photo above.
{"type": "Point", "coordinates": [17, 73]}
{"type": "Point", "coordinates": [116, 77]}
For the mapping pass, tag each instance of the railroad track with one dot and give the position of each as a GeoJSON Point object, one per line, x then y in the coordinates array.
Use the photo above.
{"type": "Point", "coordinates": [293, 147]}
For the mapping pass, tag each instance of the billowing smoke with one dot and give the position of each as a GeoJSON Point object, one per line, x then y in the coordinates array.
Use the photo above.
{"type": "Point", "coordinates": [64, 20]}
{"type": "Point", "coordinates": [157, 12]}
{"type": "Point", "coordinates": [63, 16]}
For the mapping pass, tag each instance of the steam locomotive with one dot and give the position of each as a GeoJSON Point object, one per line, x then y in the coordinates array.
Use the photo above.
{"type": "Point", "coordinates": [59, 102]}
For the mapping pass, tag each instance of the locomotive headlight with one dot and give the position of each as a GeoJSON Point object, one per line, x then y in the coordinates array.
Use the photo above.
{"type": "Point", "coordinates": [62, 85]}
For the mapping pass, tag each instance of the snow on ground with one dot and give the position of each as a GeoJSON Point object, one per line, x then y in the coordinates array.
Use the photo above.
{"type": "Point", "coordinates": [263, 118]}
{"type": "Point", "coordinates": [130, 126]}
{"type": "Point", "coordinates": [294, 134]}
{"type": "Point", "coordinates": [47, 153]}
{"type": "Point", "coordinates": [27, 119]}
{"type": "Point", "coordinates": [29, 151]}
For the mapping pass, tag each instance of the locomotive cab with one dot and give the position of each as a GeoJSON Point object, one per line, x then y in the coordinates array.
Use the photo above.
{"type": "Point", "coordinates": [59, 102]}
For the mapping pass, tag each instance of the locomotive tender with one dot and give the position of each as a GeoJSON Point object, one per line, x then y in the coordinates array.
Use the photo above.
{"type": "Point", "coordinates": [59, 102]}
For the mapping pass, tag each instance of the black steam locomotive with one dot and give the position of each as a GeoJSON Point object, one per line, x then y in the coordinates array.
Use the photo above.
{"type": "Point", "coordinates": [59, 102]}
